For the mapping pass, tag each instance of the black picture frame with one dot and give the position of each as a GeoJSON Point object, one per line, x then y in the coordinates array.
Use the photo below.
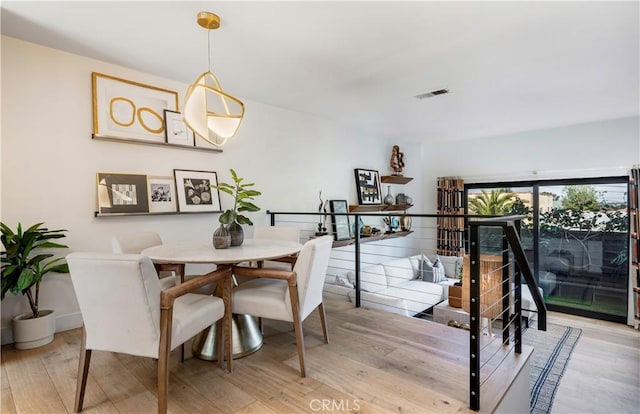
{"type": "Point", "coordinates": [194, 192]}
{"type": "Point", "coordinates": [122, 193]}
{"type": "Point", "coordinates": [368, 186]}
{"type": "Point", "coordinates": [340, 224]}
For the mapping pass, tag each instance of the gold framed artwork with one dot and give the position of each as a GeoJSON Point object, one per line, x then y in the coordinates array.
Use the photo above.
{"type": "Point", "coordinates": [130, 110]}
{"type": "Point", "coordinates": [122, 193]}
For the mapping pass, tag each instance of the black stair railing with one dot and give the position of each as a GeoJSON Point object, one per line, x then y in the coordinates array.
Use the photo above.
{"type": "Point", "coordinates": [511, 245]}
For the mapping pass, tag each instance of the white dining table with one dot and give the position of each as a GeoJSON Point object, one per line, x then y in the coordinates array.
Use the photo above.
{"type": "Point", "coordinates": [204, 252]}
{"type": "Point", "coordinates": [246, 335]}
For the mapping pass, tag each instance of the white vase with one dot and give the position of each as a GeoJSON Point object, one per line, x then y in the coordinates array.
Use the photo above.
{"type": "Point", "coordinates": [388, 199]}
{"type": "Point", "coordinates": [31, 333]}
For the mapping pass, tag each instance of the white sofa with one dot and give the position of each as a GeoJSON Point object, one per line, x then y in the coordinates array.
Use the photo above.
{"type": "Point", "coordinates": [394, 285]}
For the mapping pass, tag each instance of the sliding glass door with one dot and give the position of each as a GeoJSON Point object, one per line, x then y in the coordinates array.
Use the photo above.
{"type": "Point", "coordinates": [575, 236]}
{"type": "Point", "coordinates": [583, 245]}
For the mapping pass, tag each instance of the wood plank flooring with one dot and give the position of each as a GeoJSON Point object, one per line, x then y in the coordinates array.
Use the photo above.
{"type": "Point", "coordinates": [376, 362]}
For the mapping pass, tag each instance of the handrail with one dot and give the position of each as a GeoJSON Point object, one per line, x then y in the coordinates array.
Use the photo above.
{"type": "Point", "coordinates": [511, 241]}
{"type": "Point", "coordinates": [521, 260]}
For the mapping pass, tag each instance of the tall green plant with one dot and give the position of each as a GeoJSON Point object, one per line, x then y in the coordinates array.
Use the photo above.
{"type": "Point", "coordinates": [23, 266]}
{"type": "Point", "coordinates": [242, 195]}
{"type": "Point", "coordinates": [495, 203]}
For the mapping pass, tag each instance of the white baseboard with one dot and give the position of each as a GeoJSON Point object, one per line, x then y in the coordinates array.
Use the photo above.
{"type": "Point", "coordinates": [63, 323]}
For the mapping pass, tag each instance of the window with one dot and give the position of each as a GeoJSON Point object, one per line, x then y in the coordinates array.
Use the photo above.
{"type": "Point", "coordinates": [575, 236]}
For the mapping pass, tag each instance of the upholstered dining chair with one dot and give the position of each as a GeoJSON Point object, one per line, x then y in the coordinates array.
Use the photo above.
{"type": "Point", "coordinates": [136, 242]}
{"type": "Point", "coordinates": [290, 233]}
{"type": "Point", "coordinates": [287, 295]}
{"type": "Point", "coordinates": [124, 310]}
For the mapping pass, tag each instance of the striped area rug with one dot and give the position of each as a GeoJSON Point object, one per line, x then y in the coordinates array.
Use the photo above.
{"type": "Point", "coordinates": [552, 350]}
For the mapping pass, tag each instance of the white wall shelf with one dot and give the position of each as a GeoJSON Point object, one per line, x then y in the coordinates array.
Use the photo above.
{"type": "Point", "coordinates": [153, 143]}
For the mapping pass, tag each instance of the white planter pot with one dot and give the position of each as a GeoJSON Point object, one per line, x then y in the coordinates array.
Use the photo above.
{"type": "Point", "coordinates": [31, 333]}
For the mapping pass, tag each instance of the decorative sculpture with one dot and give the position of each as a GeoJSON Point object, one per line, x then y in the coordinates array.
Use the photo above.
{"type": "Point", "coordinates": [322, 208]}
{"type": "Point", "coordinates": [397, 160]}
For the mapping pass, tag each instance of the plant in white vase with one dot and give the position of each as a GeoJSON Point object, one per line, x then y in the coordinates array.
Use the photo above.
{"type": "Point", "coordinates": [23, 267]}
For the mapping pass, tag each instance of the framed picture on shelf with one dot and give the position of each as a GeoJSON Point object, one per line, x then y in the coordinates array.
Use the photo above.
{"type": "Point", "coordinates": [130, 110]}
{"type": "Point", "coordinates": [162, 194]}
{"type": "Point", "coordinates": [194, 192]}
{"type": "Point", "coordinates": [122, 193]}
{"type": "Point", "coordinates": [176, 131]}
{"type": "Point", "coordinates": [340, 224]}
{"type": "Point", "coordinates": [368, 186]}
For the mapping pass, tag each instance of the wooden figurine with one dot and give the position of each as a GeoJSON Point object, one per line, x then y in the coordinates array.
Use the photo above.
{"type": "Point", "coordinates": [397, 160]}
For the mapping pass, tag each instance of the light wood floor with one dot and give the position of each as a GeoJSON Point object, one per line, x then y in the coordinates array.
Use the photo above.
{"type": "Point", "coordinates": [376, 363]}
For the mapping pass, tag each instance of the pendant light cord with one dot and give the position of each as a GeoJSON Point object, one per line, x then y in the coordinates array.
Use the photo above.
{"type": "Point", "coordinates": [209, 48]}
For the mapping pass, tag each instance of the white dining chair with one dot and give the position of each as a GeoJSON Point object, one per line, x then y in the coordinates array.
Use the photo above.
{"type": "Point", "coordinates": [136, 242]}
{"type": "Point", "coordinates": [124, 310]}
{"type": "Point", "coordinates": [289, 233]}
{"type": "Point", "coordinates": [287, 295]}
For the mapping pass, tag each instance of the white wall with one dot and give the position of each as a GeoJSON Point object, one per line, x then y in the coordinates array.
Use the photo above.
{"type": "Point", "coordinates": [598, 149]}
{"type": "Point", "coordinates": [49, 161]}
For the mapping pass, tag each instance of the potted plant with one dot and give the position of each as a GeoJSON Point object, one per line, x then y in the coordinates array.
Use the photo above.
{"type": "Point", "coordinates": [23, 267]}
{"type": "Point", "coordinates": [243, 196]}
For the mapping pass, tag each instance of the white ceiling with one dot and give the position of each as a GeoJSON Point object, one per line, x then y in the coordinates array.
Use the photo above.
{"type": "Point", "coordinates": [510, 66]}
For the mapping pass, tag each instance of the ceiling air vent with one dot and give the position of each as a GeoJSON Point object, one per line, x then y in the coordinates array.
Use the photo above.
{"type": "Point", "coordinates": [432, 94]}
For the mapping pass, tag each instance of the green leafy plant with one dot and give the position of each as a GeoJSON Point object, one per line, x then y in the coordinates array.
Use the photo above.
{"type": "Point", "coordinates": [242, 195]}
{"type": "Point", "coordinates": [23, 266]}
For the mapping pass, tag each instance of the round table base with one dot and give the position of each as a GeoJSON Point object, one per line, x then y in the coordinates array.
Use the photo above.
{"type": "Point", "coordinates": [245, 334]}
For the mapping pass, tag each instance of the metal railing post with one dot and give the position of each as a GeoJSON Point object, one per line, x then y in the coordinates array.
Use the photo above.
{"type": "Point", "coordinates": [506, 288]}
{"type": "Point", "coordinates": [357, 259]}
{"type": "Point", "coordinates": [474, 322]}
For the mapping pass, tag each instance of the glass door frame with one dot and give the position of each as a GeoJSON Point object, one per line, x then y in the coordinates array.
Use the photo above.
{"type": "Point", "coordinates": [535, 186]}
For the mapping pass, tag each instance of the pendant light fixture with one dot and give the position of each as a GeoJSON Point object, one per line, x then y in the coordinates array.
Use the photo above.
{"type": "Point", "coordinates": [211, 113]}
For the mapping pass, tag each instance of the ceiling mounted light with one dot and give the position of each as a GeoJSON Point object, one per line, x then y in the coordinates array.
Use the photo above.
{"type": "Point", "coordinates": [210, 112]}
{"type": "Point", "coordinates": [432, 94]}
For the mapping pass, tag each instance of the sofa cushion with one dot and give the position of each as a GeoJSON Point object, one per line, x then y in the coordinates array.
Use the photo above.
{"type": "Point", "coordinates": [372, 279]}
{"type": "Point", "coordinates": [398, 271]}
{"type": "Point", "coordinates": [452, 266]}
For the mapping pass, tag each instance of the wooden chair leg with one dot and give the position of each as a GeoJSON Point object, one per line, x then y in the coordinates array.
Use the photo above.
{"type": "Point", "coordinates": [223, 326]}
{"type": "Point", "coordinates": [164, 350]}
{"type": "Point", "coordinates": [323, 322]}
{"type": "Point", "coordinates": [83, 372]}
{"type": "Point", "coordinates": [297, 327]}
{"type": "Point", "coordinates": [220, 349]}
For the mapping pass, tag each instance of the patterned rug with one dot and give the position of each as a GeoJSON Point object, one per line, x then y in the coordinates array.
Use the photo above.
{"type": "Point", "coordinates": [552, 350]}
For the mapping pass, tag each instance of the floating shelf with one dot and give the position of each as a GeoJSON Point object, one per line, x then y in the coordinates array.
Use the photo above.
{"type": "Point", "coordinates": [369, 239]}
{"type": "Point", "coordinates": [395, 179]}
{"type": "Point", "coordinates": [368, 208]}
{"type": "Point", "coordinates": [161, 213]}
{"type": "Point", "coordinates": [153, 143]}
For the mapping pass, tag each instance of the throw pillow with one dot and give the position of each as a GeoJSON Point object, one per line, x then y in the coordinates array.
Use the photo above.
{"type": "Point", "coordinates": [438, 271]}
{"type": "Point", "coordinates": [426, 270]}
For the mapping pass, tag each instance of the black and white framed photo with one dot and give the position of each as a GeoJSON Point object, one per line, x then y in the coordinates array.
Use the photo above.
{"type": "Point", "coordinates": [194, 191]}
{"type": "Point", "coordinates": [368, 186]}
{"type": "Point", "coordinates": [162, 194]}
{"type": "Point", "coordinates": [176, 131]}
{"type": "Point", "coordinates": [122, 193]}
{"type": "Point", "coordinates": [340, 224]}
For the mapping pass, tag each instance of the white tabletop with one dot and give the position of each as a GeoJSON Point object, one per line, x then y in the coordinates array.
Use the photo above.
{"type": "Point", "coordinates": [204, 252]}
